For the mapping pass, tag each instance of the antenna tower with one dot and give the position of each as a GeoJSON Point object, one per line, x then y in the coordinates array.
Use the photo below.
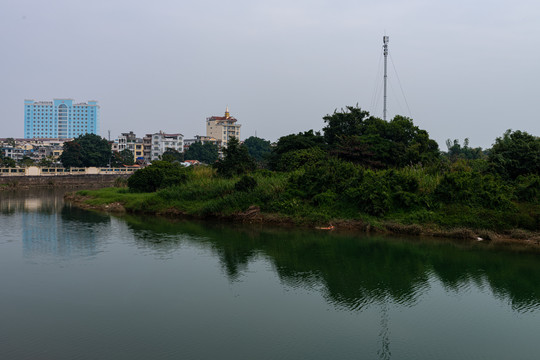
{"type": "Point", "coordinates": [385, 52]}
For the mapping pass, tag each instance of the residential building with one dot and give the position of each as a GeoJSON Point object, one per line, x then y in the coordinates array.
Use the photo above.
{"type": "Point", "coordinates": [161, 141]}
{"type": "Point", "coordinates": [36, 149]}
{"type": "Point", "coordinates": [222, 128]}
{"type": "Point", "coordinates": [203, 140]}
{"type": "Point", "coordinates": [60, 118]}
{"type": "Point", "coordinates": [131, 142]}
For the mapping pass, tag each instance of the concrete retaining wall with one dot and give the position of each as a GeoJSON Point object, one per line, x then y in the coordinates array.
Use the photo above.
{"type": "Point", "coordinates": [82, 181]}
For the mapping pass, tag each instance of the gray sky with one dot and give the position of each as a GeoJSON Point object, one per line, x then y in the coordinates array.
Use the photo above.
{"type": "Point", "coordinates": [467, 68]}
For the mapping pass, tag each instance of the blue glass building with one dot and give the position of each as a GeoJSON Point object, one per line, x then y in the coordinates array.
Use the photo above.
{"type": "Point", "coordinates": [60, 118]}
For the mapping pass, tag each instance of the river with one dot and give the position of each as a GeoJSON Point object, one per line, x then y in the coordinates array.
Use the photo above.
{"type": "Point", "coordinates": [83, 285]}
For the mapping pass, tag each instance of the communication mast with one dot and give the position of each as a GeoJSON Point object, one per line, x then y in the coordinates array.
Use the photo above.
{"type": "Point", "coordinates": [385, 52]}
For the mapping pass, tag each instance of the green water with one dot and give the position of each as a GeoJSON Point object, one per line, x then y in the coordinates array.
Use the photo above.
{"type": "Point", "coordinates": [81, 285]}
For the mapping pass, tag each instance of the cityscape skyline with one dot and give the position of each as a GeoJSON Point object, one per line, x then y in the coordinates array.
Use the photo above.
{"type": "Point", "coordinates": [467, 69]}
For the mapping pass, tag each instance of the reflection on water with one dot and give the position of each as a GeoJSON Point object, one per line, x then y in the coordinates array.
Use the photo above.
{"type": "Point", "coordinates": [355, 272]}
{"type": "Point", "coordinates": [50, 227]}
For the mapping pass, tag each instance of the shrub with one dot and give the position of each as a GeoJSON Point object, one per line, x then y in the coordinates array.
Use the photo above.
{"type": "Point", "coordinates": [473, 189]}
{"type": "Point", "coordinates": [528, 188]}
{"type": "Point", "coordinates": [146, 180]}
{"type": "Point", "coordinates": [160, 174]}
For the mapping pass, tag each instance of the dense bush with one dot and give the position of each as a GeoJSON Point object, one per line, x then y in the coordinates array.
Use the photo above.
{"type": "Point", "coordinates": [160, 174]}
{"type": "Point", "coordinates": [146, 180]}
{"type": "Point", "coordinates": [334, 174]}
{"type": "Point", "coordinates": [528, 188]}
{"type": "Point", "coordinates": [473, 189]}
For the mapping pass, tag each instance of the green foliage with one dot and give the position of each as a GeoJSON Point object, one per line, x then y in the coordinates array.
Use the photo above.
{"type": "Point", "coordinates": [85, 151]}
{"type": "Point", "coordinates": [124, 157]}
{"type": "Point", "coordinates": [355, 136]}
{"type": "Point", "coordinates": [293, 142]}
{"type": "Point", "coordinates": [348, 122]}
{"type": "Point", "coordinates": [7, 162]}
{"type": "Point", "coordinates": [295, 159]}
{"type": "Point", "coordinates": [236, 161]}
{"type": "Point", "coordinates": [206, 153]}
{"type": "Point", "coordinates": [456, 151]}
{"type": "Point", "coordinates": [148, 179]}
{"type": "Point", "coordinates": [528, 188]}
{"type": "Point", "coordinates": [335, 175]}
{"type": "Point", "coordinates": [46, 162]}
{"type": "Point", "coordinates": [246, 183]}
{"type": "Point", "coordinates": [172, 155]}
{"type": "Point", "coordinates": [258, 148]}
{"type": "Point", "coordinates": [160, 174]}
{"type": "Point", "coordinates": [516, 153]}
{"type": "Point", "coordinates": [473, 189]}
{"type": "Point", "coordinates": [26, 161]}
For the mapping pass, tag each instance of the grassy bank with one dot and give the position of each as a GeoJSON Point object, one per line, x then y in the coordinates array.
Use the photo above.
{"type": "Point", "coordinates": [281, 197]}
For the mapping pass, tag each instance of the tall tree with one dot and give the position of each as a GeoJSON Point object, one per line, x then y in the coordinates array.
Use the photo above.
{"type": "Point", "coordinates": [86, 150]}
{"type": "Point", "coordinates": [348, 122]}
{"type": "Point", "coordinates": [355, 136]}
{"type": "Point", "coordinates": [206, 153]}
{"type": "Point", "coordinates": [456, 151]}
{"type": "Point", "coordinates": [236, 160]}
{"type": "Point", "coordinates": [258, 148]}
{"type": "Point", "coordinates": [516, 153]}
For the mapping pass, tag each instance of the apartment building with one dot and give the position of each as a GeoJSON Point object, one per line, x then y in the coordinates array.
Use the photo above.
{"type": "Point", "coordinates": [222, 128]}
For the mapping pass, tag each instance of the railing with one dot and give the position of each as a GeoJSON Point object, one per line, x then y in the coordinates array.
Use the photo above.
{"type": "Point", "coordinates": [59, 171]}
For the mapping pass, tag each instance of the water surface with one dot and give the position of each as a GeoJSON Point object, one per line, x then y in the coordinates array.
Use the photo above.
{"type": "Point", "coordinates": [82, 285]}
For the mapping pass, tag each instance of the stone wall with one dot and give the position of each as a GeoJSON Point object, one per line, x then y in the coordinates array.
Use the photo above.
{"type": "Point", "coordinates": [78, 181]}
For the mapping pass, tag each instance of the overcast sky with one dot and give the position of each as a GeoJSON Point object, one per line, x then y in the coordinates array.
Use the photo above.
{"type": "Point", "coordinates": [466, 68]}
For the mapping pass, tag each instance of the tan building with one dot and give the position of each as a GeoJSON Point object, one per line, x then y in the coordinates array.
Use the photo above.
{"type": "Point", "coordinates": [222, 128]}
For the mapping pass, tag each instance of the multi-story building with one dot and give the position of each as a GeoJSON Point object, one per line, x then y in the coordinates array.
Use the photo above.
{"type": "Point", "coordinates": [60, 118]}
{"type": "Point", "coordinates": [222, 128]}
{"type": "Point", "coordinates": [131, 142]}
{"type": "Point", "coordinates": [161, 142]}
{"type": "Point", "coordinates": [203, 140]}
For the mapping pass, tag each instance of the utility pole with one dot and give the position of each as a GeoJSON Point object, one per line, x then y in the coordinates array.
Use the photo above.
{"type": "Point", "coordinates": [385, 52]}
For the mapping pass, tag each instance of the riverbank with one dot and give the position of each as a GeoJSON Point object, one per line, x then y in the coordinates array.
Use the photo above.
{"type": "Point", "coordinates": [120, 201]}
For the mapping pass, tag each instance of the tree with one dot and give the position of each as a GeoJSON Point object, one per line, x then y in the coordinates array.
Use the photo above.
{"type": "Point", "coordinates": [258, 148]}
{"type": "Point", "coordinates": [46, 161]}
{"type": "Point", "coordinates": [348, 122]}
{"type": "Point", "coordinates": [121, 158]}
{"type": "Point", "coordinates": [294, 142]}
{"type": "Point", "coordinates": [515, 153]}
{"type": "Point", "coordinates": [206, 153]}
{"type": "Point", "coordinates": [172, 155]}
{"type": "Point", "coordinates": [7, 162]}
{"type": "Point", "coordinates": [456, 151]}
{"type": "Point", "coordinates": [26, 161]}
{"type": "Point", "coordinates": [72, 155]}
{"type": "Point", "coordinates": [236, 161]}
{"type": "Point", "coordinates": [355, 136]}
{"type": "Point", "coordinates": [86, 150]}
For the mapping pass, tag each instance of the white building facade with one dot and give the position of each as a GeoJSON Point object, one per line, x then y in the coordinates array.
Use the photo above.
{"type": "Point", "coordinates": [162, 141]}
